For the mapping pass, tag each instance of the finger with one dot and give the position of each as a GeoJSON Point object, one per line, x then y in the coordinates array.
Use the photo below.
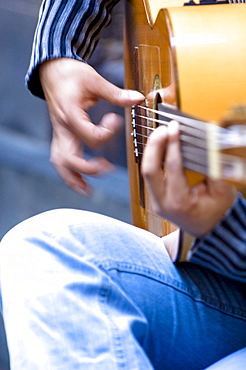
{"type": "Point", "coordinates": [113, 94]}
{"type": "Point", "coordinates": [66, 151]}
{"type": "Point", "coordinates": [94, 167]}
{"type": "Point", "coordinates": [74, 181]}
{"type": "Point", "coordinates": [152, 163]}
{"type": "Point", "coordinates": [167, 94]}
{"type": "Point", "coordinates": [94, 135]}
{"type": "Point", "coordinates": [71, 172]}
{"type": "Point", "coordinates": [173, 163]}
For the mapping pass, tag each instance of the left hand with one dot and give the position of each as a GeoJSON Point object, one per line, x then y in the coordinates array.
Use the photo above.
{"type": "Point", "coordinates": [195, 209]}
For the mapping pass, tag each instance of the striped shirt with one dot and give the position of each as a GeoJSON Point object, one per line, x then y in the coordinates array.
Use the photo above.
{"type": "Point", "coordinates": [66, 28]}
{"type": "Point", "coordinates": [71, 28]}
{"type": "Point", "coordinates": [224, 249]}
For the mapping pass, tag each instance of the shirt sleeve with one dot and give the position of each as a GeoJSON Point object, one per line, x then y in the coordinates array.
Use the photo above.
{"type": "Point", "coordinates": [66, 28]}
{"type": "Point", "coordinates": [224, 249]}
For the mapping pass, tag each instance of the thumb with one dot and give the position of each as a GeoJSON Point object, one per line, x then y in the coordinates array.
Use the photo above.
{"type": "Point", "coordinates": [116, 95]}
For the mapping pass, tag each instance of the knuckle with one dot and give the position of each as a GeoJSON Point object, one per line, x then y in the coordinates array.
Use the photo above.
{"type": "Point", "coordinates": [99, 137]}
{"type": "Point", "coordinates": [147, 172]}
{"type": "Point", "coordinates": [97, 143]}
{"type": "Point", "coordinates": [59, 161]}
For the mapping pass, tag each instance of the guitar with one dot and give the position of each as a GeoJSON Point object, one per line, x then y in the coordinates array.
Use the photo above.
{"type": "Point", "coordinates": [186, 59]}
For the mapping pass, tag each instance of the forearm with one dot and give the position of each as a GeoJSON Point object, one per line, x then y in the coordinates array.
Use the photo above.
{"type": "Point", "coordinates": [224, 249]}
{"type": "Point", "coordinates": [66, 28]}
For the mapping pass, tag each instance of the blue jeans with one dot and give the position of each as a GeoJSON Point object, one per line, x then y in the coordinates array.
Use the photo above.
{"type": "Point", "coordinates": [83, 291]}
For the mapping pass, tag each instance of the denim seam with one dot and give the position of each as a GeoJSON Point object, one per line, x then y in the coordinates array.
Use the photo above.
{"type": "Point", "coordinates": [174, 284]}
{"type": "Point", "coordinates": [118, 346]}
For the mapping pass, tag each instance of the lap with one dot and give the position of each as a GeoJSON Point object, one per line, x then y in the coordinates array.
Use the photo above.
{"type": "Point", "coordinates": [188, 309]}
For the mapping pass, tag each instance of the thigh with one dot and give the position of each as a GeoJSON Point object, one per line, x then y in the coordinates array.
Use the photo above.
{"type": "Point", "coordinates": [192, 316]}
{"type": "Point", "coordinates": [60, 304]}
{"type": "Point", "coordinates": [193, 321]}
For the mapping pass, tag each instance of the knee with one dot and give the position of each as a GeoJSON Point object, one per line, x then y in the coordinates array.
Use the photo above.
{"type": "Point", "coordinates": [60, 233]}
{"type": "Point", "coordinates": [42, 222]}
{"type": "Point", "coordinates": [45, 229]}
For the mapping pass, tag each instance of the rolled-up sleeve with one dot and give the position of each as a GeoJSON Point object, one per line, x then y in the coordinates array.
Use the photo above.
{"type": "Point", "coordinates": [66, 28]}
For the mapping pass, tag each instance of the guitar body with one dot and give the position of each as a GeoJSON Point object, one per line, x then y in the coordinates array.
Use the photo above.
{"type": "Point", "coordinates": [196, 57]}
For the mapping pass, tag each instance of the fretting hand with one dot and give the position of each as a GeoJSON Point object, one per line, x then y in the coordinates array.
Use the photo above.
{"type": "Point", "coordinates": [195, 209]}
{"type": "Point", "coordinates": [72, 87]}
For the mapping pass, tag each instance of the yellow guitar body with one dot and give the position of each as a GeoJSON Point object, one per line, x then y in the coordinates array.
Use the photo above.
{"type": "Point", "coordinates": [196, 57]}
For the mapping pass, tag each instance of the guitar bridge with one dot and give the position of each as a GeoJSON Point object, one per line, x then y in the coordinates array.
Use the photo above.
{"type": "Point", "coordinates": [134, 135]}
{"type": "Point", "coordinates": [138, 151]}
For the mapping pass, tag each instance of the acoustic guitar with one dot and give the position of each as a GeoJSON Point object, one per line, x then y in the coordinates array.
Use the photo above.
{"type": "Point", "coordinates": [189, 61]}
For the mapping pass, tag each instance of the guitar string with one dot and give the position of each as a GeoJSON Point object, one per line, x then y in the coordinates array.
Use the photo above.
{"type": "Point", "coordinates": [197, 132]}
{"type": "Point", "coordinates": [190, 159]}
{"type": "Point", "coordinates": [196, 148]}
{"type": "Point", "coordinates": [193, 131]}
{"type": "Point", "coordinates": [186, 140]}
{"type": "Point", "coordinates": [183, 129]}
{"type": "Point", "coordinates": [198, 163]}
{"type": "Point", "coordinates": [190, 122]}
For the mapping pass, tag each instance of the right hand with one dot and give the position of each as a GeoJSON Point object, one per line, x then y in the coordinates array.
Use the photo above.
{"type": "Point", "coordinates": [71, 88]}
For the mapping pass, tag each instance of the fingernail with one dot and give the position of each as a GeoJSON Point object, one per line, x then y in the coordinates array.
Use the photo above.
{"type": "Point", "coordinates": [135, 95]}
{"type": "Point", "coordinates": [80, 191]}
{"type": "Point", "coordinates": [107, 168]}
{"type": "Point", "coordinates": [173, 127]}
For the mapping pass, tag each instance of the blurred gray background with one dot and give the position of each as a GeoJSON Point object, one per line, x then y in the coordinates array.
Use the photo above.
{"type": "Point", "coordinates": [28, 183]}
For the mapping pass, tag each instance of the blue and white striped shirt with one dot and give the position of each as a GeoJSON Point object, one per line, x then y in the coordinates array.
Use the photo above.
{"type": "Point", "coordinates": [224, 249]}
{"type": "Point", "coordinates": [66, 28]}
{"type": "Point", "coordinates": [71, 28]}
